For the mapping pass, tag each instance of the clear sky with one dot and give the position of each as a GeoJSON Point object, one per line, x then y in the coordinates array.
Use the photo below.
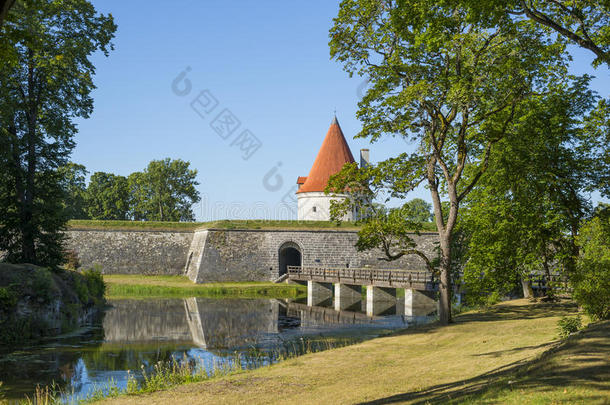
{"type": "Point", "coordinates": [264, 65]}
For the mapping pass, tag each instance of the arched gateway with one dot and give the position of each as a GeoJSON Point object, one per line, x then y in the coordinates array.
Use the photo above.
{"type": "Point", "coordinates": [289, 255]}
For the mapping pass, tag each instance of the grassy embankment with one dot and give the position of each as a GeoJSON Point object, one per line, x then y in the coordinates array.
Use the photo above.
{"type": "Point", "coordinates": [492, 356]}
{"type": "Point", "coordinates": [36, 302]}
{"type": "Point", "coordinates": [224, 224]}
{"type": "Point", "coordinates": [136, 286]}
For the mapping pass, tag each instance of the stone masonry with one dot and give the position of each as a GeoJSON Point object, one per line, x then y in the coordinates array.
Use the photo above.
{"type": "Point", "coordinates": [209, 255]}
{"type": "Point", "coordinates": [131, 252]}
{"type": "Point", "coordinates": [249, 255]}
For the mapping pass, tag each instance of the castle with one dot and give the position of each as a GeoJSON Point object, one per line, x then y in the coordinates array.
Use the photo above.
{"type": "Point", "coordinates": [210, 254]}
{"type": "Point", "coordinates": [313, 204]}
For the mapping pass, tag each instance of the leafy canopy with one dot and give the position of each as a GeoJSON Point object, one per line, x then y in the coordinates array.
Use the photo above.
{"type": "Point", "coordinates": [46, 79]}
{"type": "Point", "coordinates": [449, 83]}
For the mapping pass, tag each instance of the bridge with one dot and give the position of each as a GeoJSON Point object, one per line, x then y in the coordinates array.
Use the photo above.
{"type": "Point", "coordinates": [346, 285]}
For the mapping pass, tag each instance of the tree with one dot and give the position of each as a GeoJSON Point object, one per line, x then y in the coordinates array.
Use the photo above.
{"type": "Point", "coordinates": [5, 6]}
{"type": "Point", "coordinates": [524, 216]}
{"type": "Point", "coordinates": [450, 85]}
{"type": "Point", "coordinates": [390, 230]}
{"type": "Point", "coordinates": [45, 82]}
{"type": "Point", "coordinates": [591, 281]}
{"type": "Point", "coordinates": [165, 191]}
{"type": "Point", "coordinates": [585, 23]}
{"type": "Point", "coordinates": [597, 125]}
{"type": "Point", "coordinates": [418, 210]}
{"type": "Point", "coordinates": [72, 177]}
{"type": "Point", "coordinates": [108, 197]}
{"type": "Point", "coordinates": [138, 196]}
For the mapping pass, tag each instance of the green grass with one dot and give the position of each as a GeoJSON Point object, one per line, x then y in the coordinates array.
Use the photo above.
{"type": "Point", "coordinates": [225, 224]}
{"type": "Point", "coordinates": [128, 286]}
{"type": "Point", "coordinates": [576, 372]}
{"type": "Point", "coordinates": [470, 361]}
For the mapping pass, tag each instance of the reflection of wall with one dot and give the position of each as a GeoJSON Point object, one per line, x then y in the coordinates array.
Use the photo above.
{"type": "Point", "coordinates": [132, 321]}
{"type": "Point", "coordinates": [218, 324]}
{"type": "Point", "coordinates": [209, 323]}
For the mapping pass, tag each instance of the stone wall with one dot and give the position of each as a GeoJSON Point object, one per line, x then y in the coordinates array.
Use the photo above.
{"type": "Point", "coordinates": [230, 255]}
{"type": "Point", "coordinates": [131, 252]}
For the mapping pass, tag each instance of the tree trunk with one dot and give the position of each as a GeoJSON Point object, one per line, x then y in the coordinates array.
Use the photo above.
{"type": "Point", "coordinates": [444, 234]}
{"type": "Point", "coordinates": [528, 292]}
{"type": "Point", "coordinates": [444, 312]}
{"type": "Point", "coordinates": [5, 5]}
{"type": "Point", "coordinates": [28, 247]}
{"type": "Point", "coordinates": [547, 272]}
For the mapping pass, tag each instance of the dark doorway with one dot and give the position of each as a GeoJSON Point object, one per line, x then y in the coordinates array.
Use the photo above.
{"type": "Point", "coordinates": [290, 255]}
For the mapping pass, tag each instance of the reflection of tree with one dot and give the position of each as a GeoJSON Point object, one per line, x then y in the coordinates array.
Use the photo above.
{"type": "Point", "coordinates": [21, 370]}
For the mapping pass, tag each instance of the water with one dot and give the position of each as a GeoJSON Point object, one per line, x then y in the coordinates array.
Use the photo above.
{"type": "Point", "coordinates": [136, 333]}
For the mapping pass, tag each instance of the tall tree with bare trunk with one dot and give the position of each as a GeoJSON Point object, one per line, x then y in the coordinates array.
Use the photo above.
{"type": "Point", "coordinates": [448, 84]}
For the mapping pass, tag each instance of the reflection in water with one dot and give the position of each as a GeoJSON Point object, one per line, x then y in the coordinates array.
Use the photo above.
{"type": "Point", "coordinates": [144, 332]}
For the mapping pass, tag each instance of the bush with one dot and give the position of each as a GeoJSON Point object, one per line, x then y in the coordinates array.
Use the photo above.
{"type": "Point", "coordinates": [81, 289]}
{"type": "Point", "coordinates": [42, 284]}
{"type": "Point", "coordinates": [8, 298]}
{"type": "Point", "coordinates": [591, 281]}
{"type": "Point", "coordinates": [492, 299]}
{"type": "Point", "coordinates": [95, 284]}
{"type": "Point", "coordinates": [566, 326]}
{"type": "Point", "coordinates": [72, 260]}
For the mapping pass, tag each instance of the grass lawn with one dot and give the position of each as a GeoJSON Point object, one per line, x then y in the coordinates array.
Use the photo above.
{"type": "Point", "coordinates": [469, 361]}
{"type": "Point", "coordinates": [137, 286]}
{"type": "Point", "coordinates": [225, 224]}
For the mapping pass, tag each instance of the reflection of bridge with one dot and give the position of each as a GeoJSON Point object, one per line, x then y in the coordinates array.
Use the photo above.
{"type": "Point", "coordinates": [381, 285]}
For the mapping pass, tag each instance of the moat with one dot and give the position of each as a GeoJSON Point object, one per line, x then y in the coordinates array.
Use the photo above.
{"type": "Point", "coordinates": [209, 332]}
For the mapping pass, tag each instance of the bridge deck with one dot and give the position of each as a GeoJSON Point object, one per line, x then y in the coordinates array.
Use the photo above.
{"type": "Point", "coordinates": [418, 280]}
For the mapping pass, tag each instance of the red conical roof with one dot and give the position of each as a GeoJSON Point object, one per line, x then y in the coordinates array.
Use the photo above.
{"type": "Point", "coordinates": [333, 155]}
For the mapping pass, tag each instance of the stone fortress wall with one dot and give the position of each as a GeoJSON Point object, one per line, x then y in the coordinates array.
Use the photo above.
{"type": "Point", "coordinates": [209, 255]}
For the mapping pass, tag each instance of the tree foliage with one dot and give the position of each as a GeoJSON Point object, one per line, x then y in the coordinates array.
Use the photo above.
{"type": "Point", "coordinates": [72, 177]}
{"type": "Point", "coordinates": [525, 214]}
{"type": "Point", "coordinates": [108, 197]}
{"type": "Point", "coordinates": [46, 78]}
{"type": "Point", "coordinates": [585, 23]}
{"type": "Point", "coordinates": [165, 191]}
{"type": "Point", "coordinates": [450, 84]}
{"type": "Point", "coordinates": [591, 281]}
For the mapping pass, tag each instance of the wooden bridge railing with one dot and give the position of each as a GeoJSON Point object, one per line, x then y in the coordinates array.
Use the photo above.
{"type": "Point", "coordinates": [362, 276]}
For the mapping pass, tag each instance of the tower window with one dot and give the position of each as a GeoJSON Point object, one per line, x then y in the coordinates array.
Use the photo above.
{"type": "Point", "coordinates": [314, 209]}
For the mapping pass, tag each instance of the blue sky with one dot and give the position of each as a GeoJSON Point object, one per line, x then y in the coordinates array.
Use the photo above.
{"type": "Point", "coordinates": [265, 64]}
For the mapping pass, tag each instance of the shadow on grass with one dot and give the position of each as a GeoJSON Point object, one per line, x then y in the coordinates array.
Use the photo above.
{"type": "Point", "coordinates": [501, 312]}
{"type": "Point", "coordinates": [560, 367]}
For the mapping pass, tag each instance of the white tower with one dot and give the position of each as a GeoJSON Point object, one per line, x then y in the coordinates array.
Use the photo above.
{"type": "Point", "coordinates": [313, 204]}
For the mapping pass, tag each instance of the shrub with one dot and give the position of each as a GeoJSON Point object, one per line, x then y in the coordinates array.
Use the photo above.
{"type": "Point", "coordinates": [492, 299]}
{"type": "Point", "coordinates": [8, 298]}
{"type": "Point", "coordinates": [42, 284]}
{"type": "Point", "coordinates": [72, 260]}
{"type": "Point", "coordinates": [82, 289]}
{"type": "Point", "coordinates": [568, 325]}
{"type": "Point", "coordinates": [591, 281]}
{"type": "Point", "coordinates": [95, 284]}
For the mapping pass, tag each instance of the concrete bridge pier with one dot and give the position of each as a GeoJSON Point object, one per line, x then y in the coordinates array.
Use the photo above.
{"type": "Point", "coordinates": [419, 303]}
{"type": "Point", "coordinates": [347, 296]}
{"type": "Point", "coordinates": [318, 292]}
{"type": "Point", "coordinates": [379, 299]}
